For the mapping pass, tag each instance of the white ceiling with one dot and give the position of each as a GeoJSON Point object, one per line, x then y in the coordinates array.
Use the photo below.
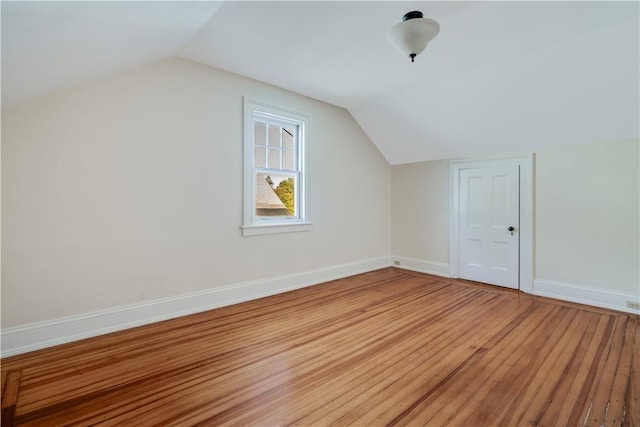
{"type": "Point", "coordinates": [500, 77]}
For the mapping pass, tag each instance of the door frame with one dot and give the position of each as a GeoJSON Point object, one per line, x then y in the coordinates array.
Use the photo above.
{"type": "Point", "coordinates": [526, 164]}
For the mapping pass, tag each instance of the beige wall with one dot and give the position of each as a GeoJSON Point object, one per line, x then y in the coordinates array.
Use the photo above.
{"type": "Point", "coordinates": [586, 214]}
{"type": "Point", "coordinates": [130, 189]}
{"type": "Point", "coordinates": [587, 218]}
{"type": "Point", "coordinates": [420, 211]}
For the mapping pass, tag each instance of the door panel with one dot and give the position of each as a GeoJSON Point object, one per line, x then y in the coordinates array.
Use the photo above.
{"type": "Point", "coordinates": [489, 205]}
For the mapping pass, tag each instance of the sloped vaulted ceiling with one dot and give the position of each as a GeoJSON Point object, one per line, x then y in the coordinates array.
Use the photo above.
{"type": "Point", "coordinates": [500, 76]}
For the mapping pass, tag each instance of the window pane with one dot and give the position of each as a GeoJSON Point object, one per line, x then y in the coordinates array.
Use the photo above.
{"type": "Point", "coordinates": [260, 158]}
{"type": "Point", "coordinates": [260, 133]}
{"type": "Point", "coordinates": [287, 138]}
{"type": "Point", "coordinates": [275, 195]}
{"type": "Point", "coordinates": [274, 158]}
{"type": "Point", "coordinates": [274, 136]}
{"type": "Point", "coordinates": [288, 160]}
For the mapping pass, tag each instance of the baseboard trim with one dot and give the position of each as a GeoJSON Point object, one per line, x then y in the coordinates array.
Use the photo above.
{"type": "Point", "coordinates": [421, 266]}
{"type": "Point", "coordinates": [35, 336]}
{"type": "Point", "coordinates": [613, 300]}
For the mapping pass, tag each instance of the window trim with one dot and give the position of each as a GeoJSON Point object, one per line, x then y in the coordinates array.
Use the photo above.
{"type": "Point", "coordinates": [251, 225]}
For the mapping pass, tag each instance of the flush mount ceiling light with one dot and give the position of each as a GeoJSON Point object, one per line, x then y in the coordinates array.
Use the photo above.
{"type": "Point", "coordinates": [413, 34]}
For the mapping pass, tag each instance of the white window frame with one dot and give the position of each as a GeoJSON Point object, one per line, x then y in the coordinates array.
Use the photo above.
{"type": "Point", "coordinates": [253, 225]}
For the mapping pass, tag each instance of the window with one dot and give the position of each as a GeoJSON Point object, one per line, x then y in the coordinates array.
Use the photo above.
{"type": "Point", "coordinates": [274, 169]}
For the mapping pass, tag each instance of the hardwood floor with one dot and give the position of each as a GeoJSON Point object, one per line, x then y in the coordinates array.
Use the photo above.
{"type": "Point", "coordinates": [389, 347]}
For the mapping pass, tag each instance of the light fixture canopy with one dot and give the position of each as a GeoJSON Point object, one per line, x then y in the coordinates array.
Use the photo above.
{"type": "Point", "coordinates": [412, 35]}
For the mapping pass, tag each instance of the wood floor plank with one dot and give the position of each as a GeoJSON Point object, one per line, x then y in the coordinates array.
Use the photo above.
{"type": "Point", "coordinates": [499, 370]}
{"type": "Point", "coordinates": [561, 374]}
{"type": "Point", "coordinates": [5, 374]}
{"type": "Point", "coordinates": [600, 393]}
{"type": "Point", "coordinates": [417, 359]}
{"type": "Point", "coordinates": [442, 404]}
{"type": "Point", "coordinates": [10, 396]}
{"type": "Point", "coordinates": [343, 363]}
{"type": "Point", "coordinates": [582, 362]}
{"type": "Point", "coordinates": [402, 359]}
{"type": "Point", "coordinates": [616, 410]}
{"type": "Point", "coordinates": [389, 347]}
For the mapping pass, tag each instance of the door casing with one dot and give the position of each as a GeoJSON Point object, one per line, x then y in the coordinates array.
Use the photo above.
{"type": "Point", "coordinates": [526, 164]}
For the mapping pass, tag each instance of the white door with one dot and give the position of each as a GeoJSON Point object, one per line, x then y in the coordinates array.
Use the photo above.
{"type": "Point", "coordinates": [489, 224]}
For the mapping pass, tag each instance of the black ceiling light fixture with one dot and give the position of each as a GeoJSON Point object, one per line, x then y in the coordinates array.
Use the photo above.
{"type": "Point", "coordinates": [412, 35]}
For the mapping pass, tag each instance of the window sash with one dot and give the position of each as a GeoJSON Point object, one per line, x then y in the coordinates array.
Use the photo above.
{"type": "Point", "coordinates": [265, 150]}
{"type": "Point", "coordinates": [273, 164]}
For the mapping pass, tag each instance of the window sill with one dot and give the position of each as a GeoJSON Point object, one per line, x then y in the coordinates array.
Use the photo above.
{"type": "Point", "coordinates": [254, 230]}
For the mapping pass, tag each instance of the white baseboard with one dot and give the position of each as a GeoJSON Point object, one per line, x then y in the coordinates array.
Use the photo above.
{"type": "Point", "coordinates": [613, 300]}
{"type": "Point", "coordinates": [34, 336]}
{"type": "Point", "coordinates": [421, 266]}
